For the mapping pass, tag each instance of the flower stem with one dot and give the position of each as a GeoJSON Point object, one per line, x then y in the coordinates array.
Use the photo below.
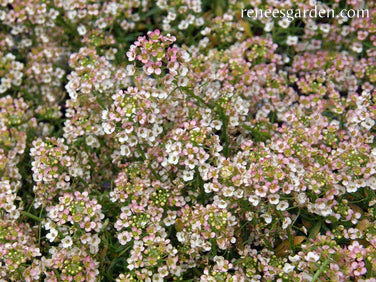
{"type": "Point", "coordinates": [320, 270]}
{"type": "Point", "coordinates": [30, 215]}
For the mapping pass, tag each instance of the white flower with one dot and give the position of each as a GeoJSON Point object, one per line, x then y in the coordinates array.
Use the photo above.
{"type": "Point", "coordinates": [188, 175]}
{"type": "Point", "coordinates": [311, 256]}
{"type": "Point", "coordinates": [311, 25]}
{"type": "Point", "coordinates": [371, 182]}
{"type": "Point", "coordinates": [312, 2]}
{"type": "Point", "coordinates": [81, 29]}
{"type": "Point", "coordinates": [205, 31]}
{"type": "Point", "coordinates": [206, 246]}
{"type": "Point", "coordinates": [163, 271]}
{"type": "Point", "coordinates": [284, 23]}
{"type": "Point", "coordinates": [130, 265]}
{"type": "Point", "coordinates": [130, 70]}
{"type": "Point", "coordinates": [67, 242]}
{"type": "Point", "coordinates": [302, 198]}
{"type": "Point", "coordinates": [95, 240]}
{"type": "Point", "coordinates": [168, 221]}
{"type": "Point", "coordinates": [291, 40]}
{"type": "Point", "coordinates": [52, 234]}
{"type": "Point", "coordinates": [325, 28]}
{"type": "Point", "coordinates": [249, 215]}
{"type": "Point", "coordinates": [294, 258]}
{"type": "Point", "coordinates": [228, 191]}
{"type": "Point", "coordinates": [124, 237]}
{"type": "Point", "coordinates": [268, 26]}
{"type": "Point", "coordinates": [104, 114]}
{"type": "Point", "coordinates": [221, 203]}
{"type": "Point", "coordinates": [267, 217]}
{"type": "Point", "coordinates": [322, 209]}
{"type": "Point", "coordinates": [132, 141]}
{"type": "Point", "coordinates": [368, 123]}
{"type": "Point", "coordinates": [351, 187]}
{"type": "Point", "coordinates": [190, 163]}
{"type": "Point", "coordinates": [14, 214]}
{"type": "Point", "coordinates": [185, 56]}
{"type": "Point", "coordinates": [48, 225]}
{"type": "Point", "coordinates": [183, 25]}
{"type": "Point", "coordinates": [345, 30]}
{"type": "Point", "coordinates": [173, 159]}
{"type": "Point", "coordinates": [180, 236]}
{"type": "Point", "coordinates": [108, 127]}
{"type": "Point", "coordinates": [282, 206]}
{"type": "Point", "coordinates": [2, 15]}
{"type": "Point", "coordinates": [183, 71]}
{"type": "Point", "coordinates": [217, 124]}
{"type": "Point", "coordinates": [52, 213]}
{"type": "Point", "coordinates": [195, 241]}
{"type": "Point", "coordinates": [85, 238]}
{"type": "Point", "coordinates": [142, 132]}
{"type": "Point", "coordinates": [125, 151]}
{"type": "Point", "coordinates": [287, 268]}
{"type": "Point", "coordinates": [92, 141]}
{"type": "Point", "coordinates": [156, 278]}
{"type": "Point", "coordinates": [234, 121]}
{"type": "Point", "coordinates": [286, 222]}
{"type": "Point", "coordinates": [122, 137]}
{"type": "Point", "coordinates": [238, 193]}
{"type": "Point", "coordinates": [357, 47]}
{"type": "Point", "coordinates": [254, 200]}
{"type": "Point", "coordinates": [273, 199]}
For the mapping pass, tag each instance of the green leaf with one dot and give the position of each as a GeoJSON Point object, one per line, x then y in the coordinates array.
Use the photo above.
{"type": "Point", "coordinates": [315, 230]}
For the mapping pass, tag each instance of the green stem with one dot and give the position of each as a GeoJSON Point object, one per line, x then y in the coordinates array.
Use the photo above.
{"type": "Point", "coordinates": [123, 251]}
{"type": "Point", "coordinates": [320, 270]}
{"type": "Point", "coordinates": [297, 216]}
{"type": "Point", "coordinates": [40, 227]}
{"type": "Point", "coordinates": [31, 205]}
{"type": "Point", "coordinates": [224, 138]}
{"type": "Point", "coordinates": [198, 98]}
{"type": "Point", "coordinates": [30, 215]}
{"type": "Point", "coordinates": [291, 242]}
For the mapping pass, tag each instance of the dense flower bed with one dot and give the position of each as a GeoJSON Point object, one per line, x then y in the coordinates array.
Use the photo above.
{"type": "Point", "coordinates": [177, 140]}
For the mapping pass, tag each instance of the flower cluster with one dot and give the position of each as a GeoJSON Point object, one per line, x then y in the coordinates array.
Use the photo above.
{"type": "Point", "coordinates": [10, 71]}
{"type": "Point", "coordinates": [155, 54]}
{"type": "Point", "coordinates": [72, 264]}
{"type": "Point", "coordinates": [77, 210]}
{"type": "Point", "coordinates": [17, 248]}
{"type": "Point", "coordinates": [15, 120]}
{"type": "Point", "coordinates": [50, 169]}
{"type": "Point", "coordinates": [71, 223]}
{"type": "Point", "coordinates": [181, 15]}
